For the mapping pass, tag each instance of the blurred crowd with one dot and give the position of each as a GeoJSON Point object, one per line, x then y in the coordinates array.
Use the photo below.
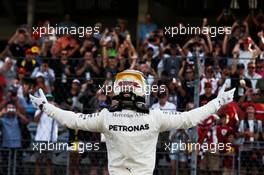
{"type": "Point", "coordinates": [70, 69]}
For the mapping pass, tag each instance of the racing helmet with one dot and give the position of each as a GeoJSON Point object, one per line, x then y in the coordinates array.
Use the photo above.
{"type": "Point", "coordinates": [130, 81]}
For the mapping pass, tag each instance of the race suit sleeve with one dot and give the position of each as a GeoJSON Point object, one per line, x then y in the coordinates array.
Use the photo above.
{"type": "Point", "coordinates": [87, 122]}
{"type": "Point", "coordinates": [169, 120]}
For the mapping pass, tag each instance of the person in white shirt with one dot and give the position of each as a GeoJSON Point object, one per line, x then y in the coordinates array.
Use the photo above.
{"type": "Point", "coordinates": [208, 78]}
{"type": "Point", "coordinates": [163, 103]}
{"type": "Point", "coordinates": [131, 129]}
{"type": "Point", "coordinates": [250, 50]}
{"type": "Point", "coordinates": [47, 131]}
{"type": "Point", "coordinates": [46, 72]}
{"type": "Point", "coordinates": [252, 75]}
{"type": "Point", "coordinates": [250, 128]}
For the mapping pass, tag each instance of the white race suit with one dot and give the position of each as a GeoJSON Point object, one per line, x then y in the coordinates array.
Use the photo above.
{"type": "Point", "coordinates": [131, 137]}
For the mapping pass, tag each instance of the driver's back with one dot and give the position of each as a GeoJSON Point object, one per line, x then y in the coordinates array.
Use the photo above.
{"type": "Point", "coordinates": [131, 140]}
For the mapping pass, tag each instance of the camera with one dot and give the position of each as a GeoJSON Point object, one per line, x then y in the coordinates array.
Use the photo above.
{"type": "Point", "coordinates": [11, 110]}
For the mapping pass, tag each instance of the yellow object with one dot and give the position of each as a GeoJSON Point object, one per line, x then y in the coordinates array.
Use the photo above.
{"type": "Point", "coordinates": [130, 80]}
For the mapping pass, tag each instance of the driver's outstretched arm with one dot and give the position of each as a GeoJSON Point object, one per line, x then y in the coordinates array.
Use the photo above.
{"type": "Point", "coordinates": [191, 118]}
{"type": "Point", "coordinates": [184, 120]}
{"type": "Point", "coordinates": [88, 122]}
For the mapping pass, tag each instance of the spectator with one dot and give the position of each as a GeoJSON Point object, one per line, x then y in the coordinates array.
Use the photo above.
{"type": "Point", "coordinates": [176, 93]}
{"type": "Point", "coordinates": [247, 53]}
{"type": "Point", "coordinates": [252, 75]}
{"type": "Point", "coordinates": [21, 74]}
{"type": "Point", "coordinates": [18, 43]}
{"type": "Point", "coordinates": [45, 71]}
{"type": "Point", "coordinates": [163, 102]}
{"type": "Point", "coordinates": [154, 42]}
{"type": "Point", "coordinates": [88, 45]}
{"type": "Point", "coordinates": [223, 129]}
{"type": "Point", "coordinates": [147, 27]}
{"type": "Point", "coordinates": [2, 87]}
{"type": "Point", "coordinates": [218, 58]}
{"type": "Point", "coordinates": [122, 28]}
{"type": "Point", "coordinates": [230, 40]}
{"type": "Point", "coordinates": [260, 90]}
{"type": "Point", "coordinates": [23, 94]}
{"type": "Point", "coordinates": [11, 121]}
{"type": "Point", "coordinates": [208, 95]}
{"type": "Point", "coordinates": [12, 132]}
{"type": "Point", "coordinates": [250, 128]}
{"type": "Point", "coordinates": [29, 63]}
{"type": "Point", "coordinates": [8, 70]}
{"type": "Point", "coordinates": [149, 58]}
{"type": "Point", "coordinates": [260, 67]}
{"type": "Point", "coordinates": [197, 47]}
{"type": "Point", "coordinates": [47, 40]}
{"type": "Point", "coordinates": [87, 67]}
{"type": "Point", "coordinates": [99, 101]}
{"type": "Point", "coordinates": [250, 132]}
{"type": "Point", "coordinates": [173, 63]}
{"type": "Point", "coordinates": [47, 131]}
{"type": "Point", "coordinates": [127, 53]}
{"type": "Point", "coordinates": [179, 156]}
{"type": "Point", "coordinates": [98, 36]}
{"type": "Point", "coordinates": [225, 79]}
{"type": "Point", "coordinates": [111, 67]}
{"type": "Point", "coordinates": [209, 78]}
{"type": "Point", "coordinates": [186, 75]}
{"type": "Point", "coordinates": [209, 157]}
{"type": "Point", "coordinates": [71, 99]}
{"type": "Point", "coordinates": [66, 42]}
{"type": "Point", "coordinates": [148, 72]}
{"type": "Point", "coordinates": [11, 96]}
{"type": "Point", "coordinates": [88, 91]}
{"type": "Point", "coordinates": [238, 79]}
{"type": "Point", "coordinates": [230, 155]}
{"type": "Point", "coordinates": [40, 83]}
{"type": "Point", "coordinates": [65, 72]}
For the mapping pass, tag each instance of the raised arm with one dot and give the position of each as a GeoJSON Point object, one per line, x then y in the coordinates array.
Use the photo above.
{"type": "Point", "coordinates": [191, 118]}
{"type": "Point", "coordinates": [87, 122]}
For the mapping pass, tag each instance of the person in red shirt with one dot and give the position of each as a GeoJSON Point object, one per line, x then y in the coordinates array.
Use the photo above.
{"type": "Point", "coordinates": [229, 154]}
{"type": "Point", "coordinates": [222, 129]}
{"type": "Point", "coordinates": [2, 86]}
{"type": "Point", "coordinates": [66, 42]}
{"type": "Point", "coordinates": [209, 155]}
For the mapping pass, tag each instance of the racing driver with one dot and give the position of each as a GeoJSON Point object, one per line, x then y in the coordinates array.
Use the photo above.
{"type": "Point", "coordinates": [131, 129]}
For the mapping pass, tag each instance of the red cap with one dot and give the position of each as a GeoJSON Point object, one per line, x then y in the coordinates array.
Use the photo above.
{"type": "Point", "coordinates": [22, 70]}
